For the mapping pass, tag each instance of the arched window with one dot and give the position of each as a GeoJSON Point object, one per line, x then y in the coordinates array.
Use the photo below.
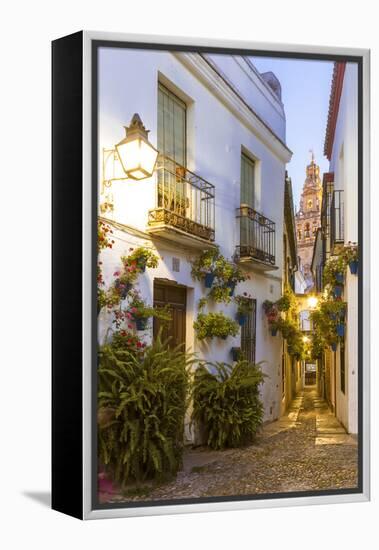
{"type": "Point", "coordinates": [309, 204]}
{"type": "Point", "coordinates": [307, 230]}
{"type": "Point", "coordinates": [299, 234]}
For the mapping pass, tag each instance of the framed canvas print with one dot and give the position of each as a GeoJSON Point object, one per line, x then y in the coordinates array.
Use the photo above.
{"type": "Point", "coordinates": [210, 275]}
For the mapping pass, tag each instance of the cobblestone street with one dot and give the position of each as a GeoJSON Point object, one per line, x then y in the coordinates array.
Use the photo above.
{"type": "Point", "coordinates": [305, 450]}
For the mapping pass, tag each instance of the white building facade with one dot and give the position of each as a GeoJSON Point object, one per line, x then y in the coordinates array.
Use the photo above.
{"type": "Point", "coordinates": [221, 127]}
{"type": "Point", "coordinates": [341, 205]}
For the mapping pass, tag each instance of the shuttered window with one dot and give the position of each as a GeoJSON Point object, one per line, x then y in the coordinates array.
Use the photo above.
{"type": "Point", "coordinates": [247, 181]}
{"type": "Point", "coordinates": [171, 126]}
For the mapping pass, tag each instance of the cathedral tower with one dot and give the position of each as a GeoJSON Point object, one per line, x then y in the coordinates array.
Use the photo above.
{"type": "Point", "coordinates": [308, 219]}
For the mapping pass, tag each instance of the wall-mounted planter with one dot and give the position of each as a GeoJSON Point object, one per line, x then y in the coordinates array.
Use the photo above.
{"type": "Point", "coordinates": [208, 280]}
{"type": "Point", "coordinates": [353, 266]}
{"type": "Point", "coordinates": [236, 352]}
{"type": "Point", "coordinates": [339, 278]}
{"type": "Point", "coordinates": [231, 287]}
{"type": "Point", "coordinates": [241, 318]}
{"type": "Point", "coordinates": [141, 323]}
{"type": "Point", "coordinates": [337, 291]}
{"type": "Point", "coordinates": [123, 287]}
{"type": "Point", "coordinates": [141, 264]}
{"type": "Point", "coordinates": [340, 330]}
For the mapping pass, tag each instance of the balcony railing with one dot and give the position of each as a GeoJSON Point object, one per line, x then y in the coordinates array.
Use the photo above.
{"type": "Point", "coordinates": [184, 201]}
{"type": "Point", "coordinates": [337, 220]}
{"type": "Point", "coordinates": [257, 236]}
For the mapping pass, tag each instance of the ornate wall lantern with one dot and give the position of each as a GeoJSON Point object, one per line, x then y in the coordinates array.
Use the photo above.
{"type": "Point", "coordinates": [136, 153]}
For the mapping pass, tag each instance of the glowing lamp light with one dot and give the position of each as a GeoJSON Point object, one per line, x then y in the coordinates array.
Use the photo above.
{"type": "Point", "coordinates": [136, 153]}
{"type": "Point", "coordinates": [312, 302]}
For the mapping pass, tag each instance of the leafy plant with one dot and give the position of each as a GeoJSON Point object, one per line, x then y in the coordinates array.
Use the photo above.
{"type": "Point", "coordinates": [142, 403]}
{"type": "Point", "coordinates": [141, 257]}
{"type": "Point", "coordinates": [350, 252]}
{"type": "Point", "coordinates": [220, 294]}
{"type": "Point", "coordinates": [333, 267]}
{"type": "Point", "coordinates": [205, 263]}
{"type": "Point", "coordinates": [227, 404]}
{"type": "Point", "coordinates": [209, 325]}
{"type": "Point", "coordinates": [243, 302]}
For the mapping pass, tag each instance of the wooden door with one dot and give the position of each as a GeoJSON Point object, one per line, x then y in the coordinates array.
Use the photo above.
{"type": "Point", "coordinates": [174, 298]}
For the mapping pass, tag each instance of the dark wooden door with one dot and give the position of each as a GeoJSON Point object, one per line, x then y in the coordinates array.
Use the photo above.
{"type": "Point", "coordinates": [172, 297]}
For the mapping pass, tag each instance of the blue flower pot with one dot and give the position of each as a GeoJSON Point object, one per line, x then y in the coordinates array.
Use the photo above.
{"type": "Point", "coordinates": [231, 287]}
{"type": "Point", "coordinates": [235, 353]}
{"type": "Point", "coordinates": [141, 264]}
{"type": "Point", "coordinates": [241, 318]}
{"type": "Point", "coordinates": [337, 291]}
{"type": "Point", "coordinates": [208, 280]}
{"type": "Point", "coordinates": [141, 323]}
{"type": "Point", "coordinates": [333, 316]}
{"type": "Point", "coordinates": [334, 346]}
{"type": "Point", "coordinates": [339, 278]}
{"type": "Point", "coordinates": [341, 330]}
{"type": "Point", "coordinates": [274, 331]}
{"type": "Point", "coordinates": [125, 288]}
{"type": "Point", "coordinates": [353, 267]}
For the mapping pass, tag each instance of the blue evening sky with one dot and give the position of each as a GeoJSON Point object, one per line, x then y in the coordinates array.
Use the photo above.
{"type": "Point", "coordinates": [305, 95]}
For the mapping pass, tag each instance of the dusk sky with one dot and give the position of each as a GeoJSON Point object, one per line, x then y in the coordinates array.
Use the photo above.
{"type": "Point", "coordinates": [305, 94]}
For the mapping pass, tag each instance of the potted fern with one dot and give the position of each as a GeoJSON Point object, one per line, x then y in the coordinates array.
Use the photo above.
{"type": "Point", "coordinates": [244, 307]}
{"type": "Point", "coordinates": [210, 325]}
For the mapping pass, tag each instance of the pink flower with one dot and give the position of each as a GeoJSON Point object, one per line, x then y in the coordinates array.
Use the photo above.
{"type": "Point", "coordinates": [116, 273]}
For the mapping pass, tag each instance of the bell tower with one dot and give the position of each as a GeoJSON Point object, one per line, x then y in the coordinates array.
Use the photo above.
{"type": "Point", "coordinates": [308, 219]}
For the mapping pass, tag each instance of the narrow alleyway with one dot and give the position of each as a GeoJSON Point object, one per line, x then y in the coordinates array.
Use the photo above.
{"type": "Point", "coordinates": [307, 449]}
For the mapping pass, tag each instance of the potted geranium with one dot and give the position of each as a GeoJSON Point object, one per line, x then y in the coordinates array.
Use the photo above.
{"type": "Point", "coordinates": [244, 307]}
{"type": "Point", "coordinates": [272, 314]}
{"type": "Point", "coordinates": [139, 311]}
{"type": "Point", "coordinates": [142, 258]}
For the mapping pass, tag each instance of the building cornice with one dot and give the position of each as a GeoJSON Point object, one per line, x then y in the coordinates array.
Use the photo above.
{"type": "Point", "coordinates": [224, 90]}
{"type": "Point", "coordinates": [334, 103]}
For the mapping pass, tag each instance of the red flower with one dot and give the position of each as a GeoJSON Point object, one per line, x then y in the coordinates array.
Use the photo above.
{"type": "Point", "coordinates": [139, 344]}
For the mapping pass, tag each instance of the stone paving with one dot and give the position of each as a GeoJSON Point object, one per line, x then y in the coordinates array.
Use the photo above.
{"type": "Point", "coordinates": [305, 450]}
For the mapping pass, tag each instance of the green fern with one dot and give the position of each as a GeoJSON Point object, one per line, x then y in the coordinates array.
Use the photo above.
{"type": "Point", "coordinates": [141, 436]}
{"type": "Point", "coordinates": [227, 403]}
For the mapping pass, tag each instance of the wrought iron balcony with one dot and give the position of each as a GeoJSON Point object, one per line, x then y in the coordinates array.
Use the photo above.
{"type": "Point", "coordinates": [257, 239]}
{"type": "Point", "coordinates": [185, 205]}
{"type": "Point", "coordinates": [337, 221]}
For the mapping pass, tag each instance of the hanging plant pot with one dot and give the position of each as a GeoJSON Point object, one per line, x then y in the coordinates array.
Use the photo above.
{"type": "Point", "coordinates": [274, 331]}
{"type": "Point", "coordinates": [208, 280]}
{"type": "Point", "coordinates": [235, 353]}
{"type": "Point", "coordinates": [241, 318]}
{"type": "Point", "coordinates": [353, 265]}
{"type": "Point", "coordinates": [339, 278]}
{"type": "Point", "coordinates": [231, 286]}
{"type": "Point", "coordinates": [141, 264]}
{"type": "Point", "coordinates": [123, 288]}
{"type": "Point", "coordinates": [141, 323]}
{"type": "Point", "coordinates": [340, 330]}
{"type": "Point", "coordinates": [334, 346]}
{"type": "Point", "coordinates": [333, 316]}
{"type": "Point", "coordinates": [337, 291]}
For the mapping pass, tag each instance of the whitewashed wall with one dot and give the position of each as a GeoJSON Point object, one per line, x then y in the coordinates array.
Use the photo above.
{"type": "Point", "coordinates": [344, 164]}
{"type": "Point", "coordinates": [128, 83]}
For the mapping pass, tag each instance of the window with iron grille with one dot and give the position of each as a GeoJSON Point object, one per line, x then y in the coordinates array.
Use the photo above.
{"type": "Point", "coordinates": [248, 333]}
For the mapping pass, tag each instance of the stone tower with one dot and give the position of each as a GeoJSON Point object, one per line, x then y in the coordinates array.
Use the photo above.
{"type": "Point", "coordinates": [308, 219]}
